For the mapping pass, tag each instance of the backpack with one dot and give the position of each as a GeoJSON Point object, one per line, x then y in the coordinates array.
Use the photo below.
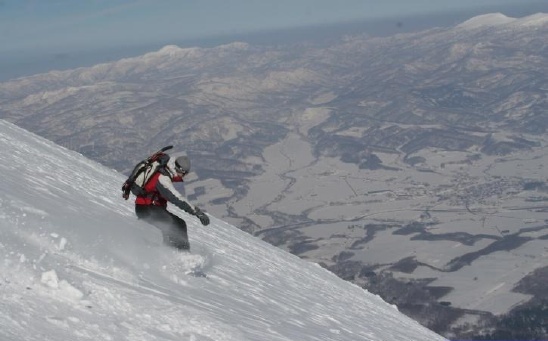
{"type": "Point", "coordinates": [143, 171]}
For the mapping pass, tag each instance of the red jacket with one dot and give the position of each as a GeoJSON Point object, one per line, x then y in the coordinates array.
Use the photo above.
{"type": "Point", "coordinates": [160, 190]}
{"type": "Point", "coordinates": [153, 196]}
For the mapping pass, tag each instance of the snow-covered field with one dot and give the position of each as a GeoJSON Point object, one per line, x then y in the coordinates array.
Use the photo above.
{"type": "Point", "coordinates": [75, 264]}
{"type": "Point", "coordinates": [480, 197]}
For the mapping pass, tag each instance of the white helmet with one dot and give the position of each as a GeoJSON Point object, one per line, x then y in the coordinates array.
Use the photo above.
{"type": "Point", "coordinates": [182, 164]}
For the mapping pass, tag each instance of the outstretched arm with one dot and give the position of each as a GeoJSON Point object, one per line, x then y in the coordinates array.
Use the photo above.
{"type": "Point", "coordinates": [168, 191]}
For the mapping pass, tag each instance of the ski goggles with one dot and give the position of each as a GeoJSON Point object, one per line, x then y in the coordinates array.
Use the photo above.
{"type": "Point", "coordinates": [180, 170]}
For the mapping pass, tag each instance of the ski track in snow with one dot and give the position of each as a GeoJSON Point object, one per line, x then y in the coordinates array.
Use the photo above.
{"type": "Point", "coordinates": [75, 264]}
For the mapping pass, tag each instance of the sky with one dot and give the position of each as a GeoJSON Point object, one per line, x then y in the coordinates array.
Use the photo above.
{"type": "Point", "coordinates": [41, 29]}
{"type": "Point", "coordinates": [76, 264]}
{"type": "Point", "coordinates": [26, 24]}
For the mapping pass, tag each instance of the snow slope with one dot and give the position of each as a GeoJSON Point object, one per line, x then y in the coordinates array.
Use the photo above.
{"type": "Point", "coordinates": [75, 264]}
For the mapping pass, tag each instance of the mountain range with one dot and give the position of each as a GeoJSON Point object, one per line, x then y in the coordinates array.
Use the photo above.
{"type": "Point", "coordinates": [412, 165]}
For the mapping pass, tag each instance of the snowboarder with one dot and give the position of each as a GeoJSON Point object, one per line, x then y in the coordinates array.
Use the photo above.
{"type": "Point", "coordinates": [151, 205]}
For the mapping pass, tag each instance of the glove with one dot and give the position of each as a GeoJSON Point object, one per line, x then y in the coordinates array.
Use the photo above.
{"type": "Point", "coordinates": [125, 190]}
{"type": "Point", "coordinates": [204, 219]}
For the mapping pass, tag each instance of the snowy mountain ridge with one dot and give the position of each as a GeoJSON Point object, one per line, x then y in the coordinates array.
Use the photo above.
{"type": "Point", "coordinates": [491, 19]}
{"type": "Point", "coordinates": [499, 19]}
{"type": "Point", "coordinates": [188, 59]}
{"type": "Point", "coordinates": [77, 265]}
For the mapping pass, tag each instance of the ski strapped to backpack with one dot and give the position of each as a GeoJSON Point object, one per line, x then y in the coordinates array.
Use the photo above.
{"type": "Point", "coordinates": [143, 171]}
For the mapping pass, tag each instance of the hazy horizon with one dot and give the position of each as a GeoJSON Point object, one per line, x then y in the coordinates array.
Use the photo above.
{"type": "Point", "coordinates": [57, 52]}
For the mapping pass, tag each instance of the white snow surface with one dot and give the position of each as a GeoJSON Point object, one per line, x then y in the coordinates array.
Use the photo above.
{"type": "Point", "coordinates": [75, 264]}
{"type": "Point", "coordinates": [499, 19]}
{"type": "Point", "coordinates": [491, 19]}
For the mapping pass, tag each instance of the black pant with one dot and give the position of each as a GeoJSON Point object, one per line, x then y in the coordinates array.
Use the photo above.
{"type": "Point", "coordinates": [172, 227]}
